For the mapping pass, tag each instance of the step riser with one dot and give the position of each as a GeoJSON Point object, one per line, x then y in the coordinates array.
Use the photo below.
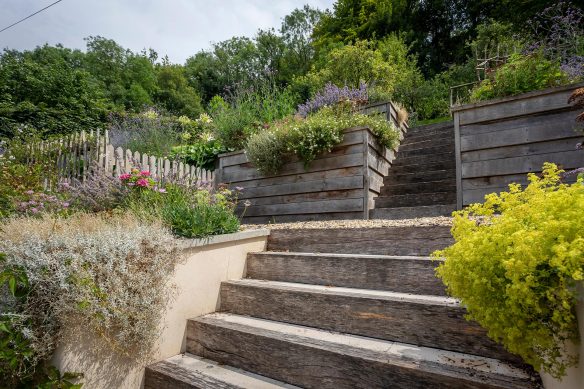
{"type": "Point", "coordinates": [420, 241]}
{"type": "Point", "coordinates": [425, 176]}
{"type": "Point", "coordinates": [396, 320]}
{"type": "Point", "coordinates": [310, 366]}
{"type": "Point", "coordinates": [432, 128]}
{"type": "Point", "coordinates": [416, 144]}
{"type": "Point", "coordinates": [425, 159]}
{"type": "Point", "coordinates": [448, 185]}
{"type": "Point", "coordinates": [412, 200]}
{"type": "Point", "coordinates": [422, 152]}
{"type": "Point", "coordinates": [375, 273]}
{"type": "Point", "coordinates": [412, 212]}
{"type": "Point", "coordinates": [411, 169]}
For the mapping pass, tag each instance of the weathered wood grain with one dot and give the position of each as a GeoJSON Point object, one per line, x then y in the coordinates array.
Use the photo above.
{"type": "Point", "coordinates": [521, 133]}
{"type": "Point", "coordinates": [318, 359]}
{"type": "Point", "coordinates": [526, 104]}
{"type": "Point", "coordinates": [353, 182]}
{"type": "Point", "coordinates": [413, 240]}
{"type": "Point", "coordinates": [543, 120]}
{"type": "Point", "coordinates": [303, 217]}
{"type": "Point", "coordinates": [522, 164]}
{"type": "Point", "coordinates": [191, 372]}
{"type": "Point", "coordinates": [318, 206]}
{"type": "Point", "coordinates": [546, 147]}
{"type": "Point", "coordinates": [383, 315]}
{"type": "Point", "coordinates": [241, 173]}
{"type": "Point", "coordinates": [300, 177]}
{"type": "Point", "coordinates": [375, 272]}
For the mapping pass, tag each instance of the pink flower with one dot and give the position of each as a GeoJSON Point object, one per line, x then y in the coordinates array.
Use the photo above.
{"type": "Point", "coordinates": [125, 177]}
{"type": "Point", "coordinates": [142, 182]}
{"type": "Point", "coordinates": [65, 205]}
{"type": "Point", "coordinates": [162, 190]}
{"type": "Point", "coordinates": [34, 210]}
{"type": "Point", "coordinates": [29, 192]}
{"type": "Point", "coordinates": [145, 173]}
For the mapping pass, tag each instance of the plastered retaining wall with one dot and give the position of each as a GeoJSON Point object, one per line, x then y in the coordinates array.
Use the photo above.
{"type": "Point", "coordinates": [499, 141]}
{"type": "Point", "coordinates": [574, 378]}
{"type": "Point", "coordinates": [207, 263]}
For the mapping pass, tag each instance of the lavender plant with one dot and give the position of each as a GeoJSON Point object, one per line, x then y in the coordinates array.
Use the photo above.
{"type": "Point", "coordinates": [99, 192]}
{"type": "Point", "coordinates": [558, 32]}
{"type": "Point", "coordinates": [331, 95]}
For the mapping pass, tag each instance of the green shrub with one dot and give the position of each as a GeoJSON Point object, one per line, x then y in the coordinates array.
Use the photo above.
{"type": "Point", "coordinates": [515, 265]}
{"type": "Point", "coordinates": [189, 212]}
{"type": "Point", "coordinates": [249, 110]}
{"type": "Point", "coordinates": [522, 73]}
{"type": "Point", "coordinates": [310, 137]}
{"type": "Point", "coordinates": [201, 153]}
{"type": "Point", "coordinates": [266, 151]}
{"type": "Point", "coordinates": [106, 275]}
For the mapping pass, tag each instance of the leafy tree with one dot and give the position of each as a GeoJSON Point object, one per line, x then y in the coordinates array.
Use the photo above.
{"type": "Point", "coordinates": [48, 89]}
{"type": "Point", "coordinates": [174, 92]}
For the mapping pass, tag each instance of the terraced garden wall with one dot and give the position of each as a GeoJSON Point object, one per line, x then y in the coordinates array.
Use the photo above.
{"type": "Point", "coordinates": [499, 141]}
{"type": "Point", "coordinates": [337, 185]}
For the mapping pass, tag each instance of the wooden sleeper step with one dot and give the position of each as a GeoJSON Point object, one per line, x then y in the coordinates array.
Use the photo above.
{"type": "Point", "coordinates": [378, 314]}
{"type": "Point", "coordinates": [405, 274]}
{"type": "Point", "coordinates": [445, 185]}
{"type": "Point", "coordinates": [412, 212]}
{"type": "Point", "coordinates": [414, 200]}
{"type": "Point", "coordinates": [187, 371]}
{"type": "Point", "coordinates": [407, 240]}
{"type": "Point", "coordinates": [313, 358]}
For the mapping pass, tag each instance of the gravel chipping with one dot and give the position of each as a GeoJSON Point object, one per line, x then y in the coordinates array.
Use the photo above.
{"type": "Point", "coordinates": [374, 223]}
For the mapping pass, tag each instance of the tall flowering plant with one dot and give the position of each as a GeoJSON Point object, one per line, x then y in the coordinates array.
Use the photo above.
{"type": "Point", "coordinates": [331, 95]}
{"type": "Point", "coordinates": [140, 179]}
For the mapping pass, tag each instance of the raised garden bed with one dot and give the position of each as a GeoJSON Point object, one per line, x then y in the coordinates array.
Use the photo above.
{"type": "Point", "coordinates": [337, 185]}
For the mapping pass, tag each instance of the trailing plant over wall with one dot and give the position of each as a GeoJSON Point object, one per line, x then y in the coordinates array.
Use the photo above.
{"type": "Point", "coordinates": [319, 132]}
{"type": "Point", "coordinates": [515, 265]}
{"type": "Point", "coordinates": [108, 275]}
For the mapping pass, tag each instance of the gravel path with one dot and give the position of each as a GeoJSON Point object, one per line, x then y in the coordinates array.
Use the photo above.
{"type": "Point", "coordinates": [423, 221]}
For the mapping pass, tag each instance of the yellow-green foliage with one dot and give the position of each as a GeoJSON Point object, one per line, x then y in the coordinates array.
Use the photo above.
{"type": "Point", "coordinates": [515, 265]}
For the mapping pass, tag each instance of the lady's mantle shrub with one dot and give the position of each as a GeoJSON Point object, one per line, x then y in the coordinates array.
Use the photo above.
{"type": "Point", "coordinates": [516, 272]}
{"type": "Point", "coordinates": [109, 275]}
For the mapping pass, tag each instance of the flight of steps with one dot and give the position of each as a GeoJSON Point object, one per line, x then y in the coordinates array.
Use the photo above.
{"type": "Point", "coordinates": [422, 179]}
{"type": "Point", "coordinates": [340, 308]}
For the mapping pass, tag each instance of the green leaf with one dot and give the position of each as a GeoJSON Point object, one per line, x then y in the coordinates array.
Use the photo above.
{"type": "Point", "coordinates": [12, 285]}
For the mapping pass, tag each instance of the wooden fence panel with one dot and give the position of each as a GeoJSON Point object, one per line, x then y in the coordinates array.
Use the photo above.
{"type": "Point", "coordinates": [75, 156]}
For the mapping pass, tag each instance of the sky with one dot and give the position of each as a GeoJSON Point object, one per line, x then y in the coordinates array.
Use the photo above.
{"type": "Point", "coordinates": [177, 28]}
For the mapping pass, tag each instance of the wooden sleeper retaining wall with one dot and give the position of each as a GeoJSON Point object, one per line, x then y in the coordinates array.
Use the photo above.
{"type": "Point", "coordinates": [499, 141]}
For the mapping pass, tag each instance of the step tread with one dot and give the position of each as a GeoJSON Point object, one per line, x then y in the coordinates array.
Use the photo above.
{"type": "Point", "coordinates": [389, 315]}
{"type": "Point", "coordinates": [190, 371]}
{"type": "Point", "coordinates": [471, 369]}
{"type": "Point", "coordinates": [350, 292]}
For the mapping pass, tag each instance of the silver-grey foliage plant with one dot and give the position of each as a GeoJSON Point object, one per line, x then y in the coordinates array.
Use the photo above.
{"type": "Point", "coordinates": [106, 274]}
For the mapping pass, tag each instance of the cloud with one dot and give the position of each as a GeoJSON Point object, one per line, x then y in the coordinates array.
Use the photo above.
{"type": "Point", "coordinates": [177, 28]}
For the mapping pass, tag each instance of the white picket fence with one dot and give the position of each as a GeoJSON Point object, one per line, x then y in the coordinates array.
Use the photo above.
{"type": "Point", "coordinates": [77, 154]}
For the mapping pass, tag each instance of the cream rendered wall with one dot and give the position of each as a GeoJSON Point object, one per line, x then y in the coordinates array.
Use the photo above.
{"type": "Point", "coordinates": [197, 280]}
{"type": "Point", "coordinates": [575, 376]}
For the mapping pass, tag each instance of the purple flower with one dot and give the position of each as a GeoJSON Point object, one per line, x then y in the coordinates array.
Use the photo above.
{"type": "Point", "coordinates": [34, 210]}
{"type": "Point", "coordinates": [29, 192]}
{"type": "Point", "coordinates": [65, 205]}
{"type": "Point", "coordinates": [332, 94]}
